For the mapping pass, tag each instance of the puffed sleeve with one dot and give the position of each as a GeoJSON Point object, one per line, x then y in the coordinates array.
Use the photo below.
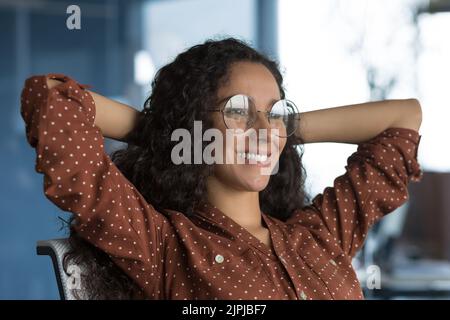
{"type": "Point", "coordinates": [375, 183]}
{"type": "Point", "coordinates": [79, 177]}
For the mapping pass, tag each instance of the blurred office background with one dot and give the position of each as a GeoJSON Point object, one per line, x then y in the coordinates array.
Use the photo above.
{"type": "Point", "coordinates": [332, 53]}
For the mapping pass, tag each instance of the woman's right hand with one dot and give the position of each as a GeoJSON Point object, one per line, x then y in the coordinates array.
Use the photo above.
{"type": "Point", "coordinates": [114, 119]}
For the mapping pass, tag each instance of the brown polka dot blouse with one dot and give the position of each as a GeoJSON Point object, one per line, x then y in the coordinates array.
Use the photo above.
{"type": "Point", "coordinates": [210, 256]}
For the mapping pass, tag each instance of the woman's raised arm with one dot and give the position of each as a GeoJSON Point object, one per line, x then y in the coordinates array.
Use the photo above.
{"type": "Point", "coordinates": [359, 122]}
{"type": "Point", "coordinates": [79, 177]}
{"type": "Point", "coordinates": [114, 119]}
{"type": "Point", "coordinates": [376, 176]}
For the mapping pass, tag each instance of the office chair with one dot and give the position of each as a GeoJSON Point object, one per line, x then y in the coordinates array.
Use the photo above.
{"type": "Point", "coordinates": [56, 249]}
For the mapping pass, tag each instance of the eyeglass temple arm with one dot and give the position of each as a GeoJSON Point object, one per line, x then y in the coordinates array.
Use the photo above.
{"type": "Point", "coordinates": [297, 114]}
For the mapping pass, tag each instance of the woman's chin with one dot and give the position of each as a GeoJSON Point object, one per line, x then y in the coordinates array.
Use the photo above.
{"type": "Point", "coordinates": [255, 183]}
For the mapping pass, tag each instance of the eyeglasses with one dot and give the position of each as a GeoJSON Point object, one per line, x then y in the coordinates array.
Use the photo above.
{"type": "Point", "coordinates": [240, 112]}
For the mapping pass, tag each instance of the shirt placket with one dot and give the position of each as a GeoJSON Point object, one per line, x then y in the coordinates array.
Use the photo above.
{"type": "Point", "coordinates": [284, 262]}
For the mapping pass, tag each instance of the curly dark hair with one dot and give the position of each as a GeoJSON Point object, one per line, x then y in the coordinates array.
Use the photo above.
{"type": "Point", "coordinates": [182, 91]}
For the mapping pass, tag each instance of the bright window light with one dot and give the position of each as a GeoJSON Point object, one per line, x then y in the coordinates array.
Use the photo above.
{"type": "Point", "coordinates": [144, 69]}
{"type": "Point", "coordinates": [326, 51]}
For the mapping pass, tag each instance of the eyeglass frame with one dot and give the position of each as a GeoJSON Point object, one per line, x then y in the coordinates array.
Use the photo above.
{"type": "Point", "coordinates": [221, 110]}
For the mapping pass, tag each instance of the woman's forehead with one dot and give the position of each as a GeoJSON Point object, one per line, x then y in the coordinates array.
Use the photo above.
{"type": "Point", "coordinates": [253, 80]}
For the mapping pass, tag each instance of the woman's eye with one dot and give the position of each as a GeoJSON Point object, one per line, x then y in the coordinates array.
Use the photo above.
{"type": "Point", "coordinates": [275, 116]}
{"type": "Point", "coordinates": [238, 112]}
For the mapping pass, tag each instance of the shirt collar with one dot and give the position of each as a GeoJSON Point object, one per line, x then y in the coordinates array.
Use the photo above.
{"type": "Point", "coordinates": [215, 216]}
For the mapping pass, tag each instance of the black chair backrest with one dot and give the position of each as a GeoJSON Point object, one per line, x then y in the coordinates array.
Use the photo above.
{"type": "Point", "coordinates": [56, 249]}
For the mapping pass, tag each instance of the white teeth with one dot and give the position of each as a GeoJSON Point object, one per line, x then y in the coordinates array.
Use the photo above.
{"type": "Point", "coordinates": [253, 156]}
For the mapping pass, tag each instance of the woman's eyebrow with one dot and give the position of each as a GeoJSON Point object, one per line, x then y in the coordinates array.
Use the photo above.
{"type": "Point", "coordinates": [225, 99]}
{"type": "Point", "coordinates": [228, 97]}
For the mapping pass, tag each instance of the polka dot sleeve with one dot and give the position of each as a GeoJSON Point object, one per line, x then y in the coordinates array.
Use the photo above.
{"type": "Point", "coordinates": [80, 177]}
{"type": "Point", "coordinates": [375, 183]}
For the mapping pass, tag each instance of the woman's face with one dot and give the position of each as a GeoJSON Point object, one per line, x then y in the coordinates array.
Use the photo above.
{"type": "Point", "coordinates": [257, 82]}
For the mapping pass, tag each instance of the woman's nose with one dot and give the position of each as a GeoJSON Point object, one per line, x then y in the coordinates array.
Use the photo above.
{"type": "Point", "coordinates": [262, 123]}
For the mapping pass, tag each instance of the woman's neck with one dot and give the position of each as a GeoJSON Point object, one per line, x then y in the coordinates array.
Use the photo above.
{"type": "Point", "coordinates": [241, 206]}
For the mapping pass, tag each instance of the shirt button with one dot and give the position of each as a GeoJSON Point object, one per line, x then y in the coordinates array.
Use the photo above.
{"type": "Point", "coordinates": [282, 260]}
{"type": "Point", "coordinates": [333, 262]}
{"type": "Point", "coordinates": [303, 295]}
{"type": "Point", "coordinates": [219, 258]}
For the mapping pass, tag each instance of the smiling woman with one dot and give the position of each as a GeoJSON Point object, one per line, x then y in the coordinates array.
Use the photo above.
{"type": "Point", "coordinates": [161, 230]}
